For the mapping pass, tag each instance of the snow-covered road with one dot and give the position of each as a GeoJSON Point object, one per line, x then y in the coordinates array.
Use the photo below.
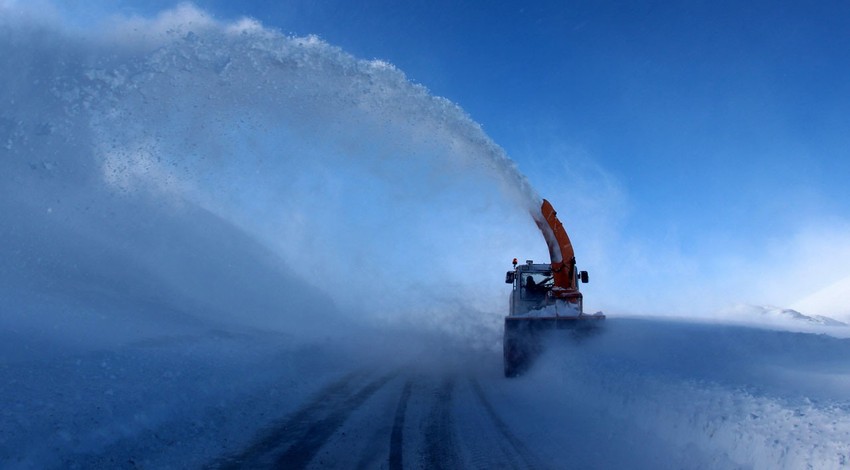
{"type": "Point", "coordinates": [441, 421]}
{"type": "Point", "coordinates": [643, 394]}
{"type": "Point", "coordinates": [397, 420]}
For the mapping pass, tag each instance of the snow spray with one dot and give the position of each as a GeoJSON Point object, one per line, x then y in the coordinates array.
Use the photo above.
{"type": "Point", "coordinates": [390, 201]}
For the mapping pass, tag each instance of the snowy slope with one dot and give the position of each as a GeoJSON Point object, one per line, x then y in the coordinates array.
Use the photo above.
{"type": "Point", "coordinates": [782, 318]}
{"type": "Point", "coordinates": [833, 300]}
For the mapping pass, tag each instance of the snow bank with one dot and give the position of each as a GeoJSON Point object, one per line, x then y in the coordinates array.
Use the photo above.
{"type": "Point", "coordinates": [690, 395]}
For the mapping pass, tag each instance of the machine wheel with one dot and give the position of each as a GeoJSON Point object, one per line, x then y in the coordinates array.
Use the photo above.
{"type": "Point", "coordinates": [513, 357]}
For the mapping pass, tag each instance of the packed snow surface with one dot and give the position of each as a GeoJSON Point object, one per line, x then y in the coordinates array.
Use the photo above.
{"type": "Point", "coordinates": [640, 393]}
{"type": "Point", "coordinates": [223, 246]}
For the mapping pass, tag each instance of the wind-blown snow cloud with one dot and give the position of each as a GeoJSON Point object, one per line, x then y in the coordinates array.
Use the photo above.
{"type": "Point", "coordinates": [390, 201]}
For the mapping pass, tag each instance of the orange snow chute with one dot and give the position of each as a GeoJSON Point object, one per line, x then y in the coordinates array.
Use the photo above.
{"type": "Point", "coordinates": [560, 249]}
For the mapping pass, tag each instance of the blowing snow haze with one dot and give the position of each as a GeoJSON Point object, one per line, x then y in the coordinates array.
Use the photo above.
{"type": "Point", "coordinates": [222, 246]}
{"type": "Point", "coordinates": [229, 172]}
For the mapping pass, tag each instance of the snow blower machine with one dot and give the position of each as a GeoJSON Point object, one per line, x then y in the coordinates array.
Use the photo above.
{"type": "Point", "coordinates": [544, 297]}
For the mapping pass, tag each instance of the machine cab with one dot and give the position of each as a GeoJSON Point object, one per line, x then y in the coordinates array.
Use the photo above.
{"type": "Point", "coordinates": [533, 289]}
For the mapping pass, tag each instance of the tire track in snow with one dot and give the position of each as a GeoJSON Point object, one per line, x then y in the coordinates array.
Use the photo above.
{"type": "Point", "coordinates": [294, 442]}
{"type": "Point", "coordinates": [314, 436]}
{"type": "Point", "coordinates": [396, 438]}
{"type": "Point", "coordinates": [440, 445]}
{"type": "Point", "coordinates": [524, 457]}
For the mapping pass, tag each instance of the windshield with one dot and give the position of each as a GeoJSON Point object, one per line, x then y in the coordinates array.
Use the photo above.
{"type": "Point", "coordinates": [537, 278]}
{"type": "Point", "coordinates": [535, 285]}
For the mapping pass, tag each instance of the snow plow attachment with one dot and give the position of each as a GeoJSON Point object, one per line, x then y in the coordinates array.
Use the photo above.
{"type": "Point", "coordinates": [545, 297]}
{"type": "Point", "coordinates": [523, 337]}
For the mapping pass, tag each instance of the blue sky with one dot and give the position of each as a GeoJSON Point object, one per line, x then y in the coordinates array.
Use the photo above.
{"type": "Point", "coordinates": [703, 129]}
